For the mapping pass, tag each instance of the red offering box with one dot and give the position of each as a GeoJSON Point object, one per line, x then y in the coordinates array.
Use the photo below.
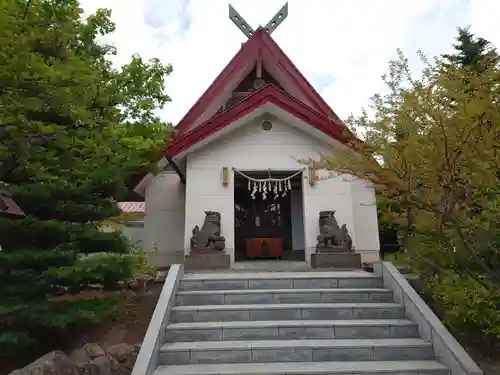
{"type": "Point", "coordinates": [265, 247]}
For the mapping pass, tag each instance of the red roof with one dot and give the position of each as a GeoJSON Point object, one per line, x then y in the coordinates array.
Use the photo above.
{"type": "Point", "coordinates": [260, 45]}
{"type": "Point", "coordinates": [132, 206]}
{"type": "Point", "coordinates": [304, 102]}
{"type": "Point", "coordinates": [266, 94]}
{"type": "Point", "coordinates": [300, 99]}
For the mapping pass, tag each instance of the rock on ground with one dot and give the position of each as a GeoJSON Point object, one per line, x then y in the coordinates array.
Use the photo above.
{"type": "Point", "coordinates": [91, 359]}
{"type": "Point", "coordinates": [53, 363]}
{"type": "Point", "coordinates": [120, 351]}
{"type": "Point", "coordinates": [94, 350]}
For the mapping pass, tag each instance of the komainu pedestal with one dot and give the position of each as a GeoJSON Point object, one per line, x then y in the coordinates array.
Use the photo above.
{"type": "Point", "coordinates": [207, 245]}
{"type": "Point", "coordinates": [340, 259]}
{"type": "Point", "coordinates": [334, 248]}
{"type": "Point", "coordinates": [207, 261]}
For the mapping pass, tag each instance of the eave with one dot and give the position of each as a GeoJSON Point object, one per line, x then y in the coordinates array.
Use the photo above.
{"type": "Point", "coordinates": [266, 94]}
{"type": "Point", "coordinates": [249, 49]}
{"type": "Point", "coordinates": [285, 64]}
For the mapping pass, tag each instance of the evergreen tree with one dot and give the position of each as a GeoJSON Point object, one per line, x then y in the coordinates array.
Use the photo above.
{"type": "Point", "coordinates": [78, 128]}
{"type": "Point", "coordinates": [470, 52]}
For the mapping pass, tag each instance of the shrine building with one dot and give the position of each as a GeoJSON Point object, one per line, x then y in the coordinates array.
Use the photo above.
{"type": "Point", "coordinates": [235, 153]}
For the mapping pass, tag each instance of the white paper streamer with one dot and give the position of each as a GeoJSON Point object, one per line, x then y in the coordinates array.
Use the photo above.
{"type": "Point", "coordinates": [254, 191]}
{"type": "Point", "coordinates": [278, 186]}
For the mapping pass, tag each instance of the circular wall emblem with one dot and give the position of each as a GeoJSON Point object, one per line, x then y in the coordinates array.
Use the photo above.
{"type": "Point", "coordinates": [267, 125]}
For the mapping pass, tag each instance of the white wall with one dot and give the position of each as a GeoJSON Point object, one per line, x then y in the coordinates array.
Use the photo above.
{"type": "Point", "coordinates": [134, 231]}
{"type": "Point", "coordinates": [365, 220]}
{"type": "Point", "coordinates": [329, 194]}
{"type": "Point", "coordinates": [251, 148]}
{"type": "Point", "coordinates": [164, 219]}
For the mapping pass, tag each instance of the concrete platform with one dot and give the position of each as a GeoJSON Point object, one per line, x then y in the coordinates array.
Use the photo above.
{"type": "Point", "coordinates": [207, 261]}
{"type": "Point", "coordinates": [336, 260]}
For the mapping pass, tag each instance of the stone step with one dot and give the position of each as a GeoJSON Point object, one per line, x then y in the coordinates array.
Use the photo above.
{"type": "Point", "coordinates": [308, 368]}
{"type": "Point", "coordinates": [292, 330]}
{"type": "Point", "coordinates": [270, 296]}
{"type": "Point", "coordinates": [280, 280]}
{"type": "Point", "coordinates": [210, 352]}
{"type": "Point", "coordinates": [322, 311]}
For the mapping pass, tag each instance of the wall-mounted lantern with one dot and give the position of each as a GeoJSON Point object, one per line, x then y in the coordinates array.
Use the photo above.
{"type": "Point", "coordinates": [313, 177]}
{"type": "Point", "coordinates": [225, 176]}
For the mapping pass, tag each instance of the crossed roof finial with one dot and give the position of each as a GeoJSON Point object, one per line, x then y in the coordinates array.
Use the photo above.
{"type": "Point", "coordinates": [246, 29]}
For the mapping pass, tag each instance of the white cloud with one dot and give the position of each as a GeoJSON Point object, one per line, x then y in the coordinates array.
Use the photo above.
{"type": "Point", "coordinates": [345, 44]}
{"type": "Point", "coordinates": [484, 20]}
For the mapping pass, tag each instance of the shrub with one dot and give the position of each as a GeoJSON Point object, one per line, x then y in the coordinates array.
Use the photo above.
{"type": "Point", "coordinates": [468, 308]}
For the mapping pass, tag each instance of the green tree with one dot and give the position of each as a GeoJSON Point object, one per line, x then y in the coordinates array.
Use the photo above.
{"type": "Point", "coordinates": [470, 51]}
{"type": "Point", "coordinates": [78, 128]}
{"type": "Point", "coordinates": [432, 146]}
{"type": "Point", "coordinates": [389, 215]}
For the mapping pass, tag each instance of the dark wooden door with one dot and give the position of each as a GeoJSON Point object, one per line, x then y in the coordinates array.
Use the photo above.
{"type": "Point", "coordinates": [262, 218]}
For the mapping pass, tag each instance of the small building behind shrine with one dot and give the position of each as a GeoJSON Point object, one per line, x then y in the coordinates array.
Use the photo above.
{"type": "Point", "coordinates": [232, 167]}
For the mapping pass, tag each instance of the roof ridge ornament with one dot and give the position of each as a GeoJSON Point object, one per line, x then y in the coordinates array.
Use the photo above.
{"type": "Point", "coordinates": [278, 18]}
{"type": "Point", "coordinates": [246, 29]}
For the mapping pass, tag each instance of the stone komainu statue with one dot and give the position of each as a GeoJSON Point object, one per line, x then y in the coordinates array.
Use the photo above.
{"type": "Point", "coordinates": [331, 234]}
{"type": "Point", "coordinates": [208, 237]}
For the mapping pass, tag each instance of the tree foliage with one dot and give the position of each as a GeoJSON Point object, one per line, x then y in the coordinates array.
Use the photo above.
{"type": "Point", "coordinates": [470, 51]}
{"type": "Point", "coordinates": [432, 146]}
{"type": "Point", "coordinates": [78, 128]}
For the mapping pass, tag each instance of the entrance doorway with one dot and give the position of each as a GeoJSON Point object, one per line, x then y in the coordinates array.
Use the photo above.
{"type": "Point", "coordinates": [269, 228]}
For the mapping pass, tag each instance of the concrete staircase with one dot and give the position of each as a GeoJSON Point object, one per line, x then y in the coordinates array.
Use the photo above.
{"type": "Point", "coordinates": [291, 323]}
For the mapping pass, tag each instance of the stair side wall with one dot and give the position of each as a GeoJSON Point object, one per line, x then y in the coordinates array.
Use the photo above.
{"type": "Point", "coordinates": [148, 357]}
{"type": "Point", "coordinates": [446, 349]}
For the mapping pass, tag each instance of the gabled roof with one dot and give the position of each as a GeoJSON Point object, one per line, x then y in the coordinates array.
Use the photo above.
{"type": "Point", "coordinates": [259, 46]}
{"type": "Point", "coordinates": [128, 207]}
{"type": "Point", "coordinates": [266, 94]}
{"type": "Point", "coordinates": [297, 97]}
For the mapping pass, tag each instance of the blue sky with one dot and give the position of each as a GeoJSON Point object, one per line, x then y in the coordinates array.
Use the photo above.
{"type": "Point", "coordinates": [342, 47]}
